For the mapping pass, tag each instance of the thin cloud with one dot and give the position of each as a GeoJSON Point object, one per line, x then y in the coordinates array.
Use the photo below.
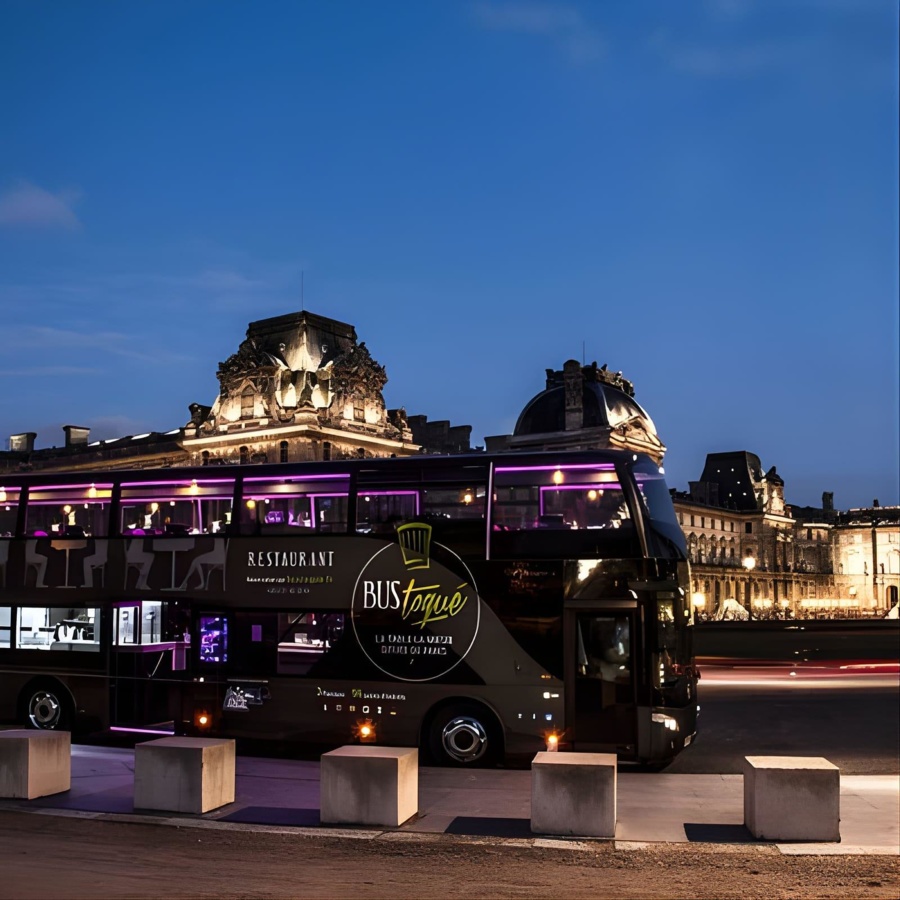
{"type": "Point", "coordinates": [29, 371]}
{"type": "Point", "coordinates": [564, 25]}
{"type": "Point", "coordinates": [26, 205]}
{"type": "Point", "coordinates": [729, 9]}
{"type": "Point", "coordinates": [111, 342]}
{"type": "Point", "coordinates": [751, 59]}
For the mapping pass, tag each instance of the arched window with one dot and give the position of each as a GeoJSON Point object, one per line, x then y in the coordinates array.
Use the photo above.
{"type": "Point", "coordinates": [326, 450]}
{"type": "Point", "coordinates": [245, 456]}
{"type": "Point", "coordinates": [248, 396]}
{"type": "Point", "coordinates": [283, 451]}
{"type": "Point", "coordinates": [205, 456]}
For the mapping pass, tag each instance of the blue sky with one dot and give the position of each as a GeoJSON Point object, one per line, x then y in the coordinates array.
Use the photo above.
{"type": "Point", "coordinates": [703, 195]}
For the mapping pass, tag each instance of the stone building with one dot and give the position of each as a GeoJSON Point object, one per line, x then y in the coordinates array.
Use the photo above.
{"type": "Point", "coordinates": [299, 387]}
{"type": "Point", "coordinates": [581, 408]}
{"type": "Point", "coordinates": [752, 554]}
{"type": "Point", "coordinates": [866, 546]}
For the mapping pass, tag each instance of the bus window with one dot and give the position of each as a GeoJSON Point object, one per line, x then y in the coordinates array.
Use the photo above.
{"type": "Point", "coordinates": [5, 626]}
{"type": "Point", "coordinates": [57, 628]}
{"type": "Point", "coordinates": [660, 513]}
{"type": "Point", "coordinates": [463, 502]}
{"type": "Point", "coordinates": [175, 508]}
{"type": "Point", "coordinates": [575, 511]}
{"type": "Point", "coordinates": [125, 625]}
{"type": "Point", "coordinates": [283, 505]}
{"type": "Point", "coordinates": [213, 639]}
{"type": "Point", "coordinates": [555, 497]}
{"type": "Point", "coordinates": [74, 511]}
{"type": "Point", "coordinates": [139, 623]}
{"type": "Point", "coordinates": [305, 639]}
{"type": "Point", "coordinates": [381, 511]}
{"type": "Point", "coordinates": [604, 648]}
{"type": "Point", "coordinates": [9, 512]}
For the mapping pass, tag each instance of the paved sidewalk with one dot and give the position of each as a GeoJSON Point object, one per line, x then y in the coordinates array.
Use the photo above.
{"type": "Point", "coordinates": [652, 807]}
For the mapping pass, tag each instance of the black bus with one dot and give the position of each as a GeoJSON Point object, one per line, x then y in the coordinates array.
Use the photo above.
{"type": "Point", "coordinates": [476, 606]}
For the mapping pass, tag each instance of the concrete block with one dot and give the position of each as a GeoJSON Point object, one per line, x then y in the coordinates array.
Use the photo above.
{"type": "Point", "coordinates": [574, 793]}
{"type": "Point", "coordinates": [792, 798]}
{"type": "Point", "coordinates": [184, 774]}
{"type": "Point", "coordinates": [35, 763]}
{"type": "Point", "coordinates": [367, 785]}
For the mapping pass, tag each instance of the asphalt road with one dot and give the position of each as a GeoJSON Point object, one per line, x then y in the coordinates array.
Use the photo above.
{"type": "Point", "coordinates": [848, 713]}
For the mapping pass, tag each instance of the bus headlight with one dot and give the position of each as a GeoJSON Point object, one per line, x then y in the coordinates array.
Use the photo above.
{"type": "Point", "coordinates": [668, 721]}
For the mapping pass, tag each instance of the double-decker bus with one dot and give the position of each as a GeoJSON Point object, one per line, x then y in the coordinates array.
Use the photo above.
{"type": "Point", "coordinates": [477, 606]}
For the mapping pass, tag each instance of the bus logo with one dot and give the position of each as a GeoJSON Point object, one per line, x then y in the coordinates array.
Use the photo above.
{"type": "Point", "coordinates": [415, 625]}
{"type": "Point", "coordinates": [415, 544]}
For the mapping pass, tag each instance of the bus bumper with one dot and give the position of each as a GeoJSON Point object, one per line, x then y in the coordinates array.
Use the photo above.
{"type": "Point", "coordinates": [664, 732]}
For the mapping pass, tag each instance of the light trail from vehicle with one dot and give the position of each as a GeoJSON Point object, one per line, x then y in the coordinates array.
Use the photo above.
{"type": "Point", "coordinates": [832, 674]}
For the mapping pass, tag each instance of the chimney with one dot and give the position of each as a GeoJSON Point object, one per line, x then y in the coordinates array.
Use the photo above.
{"type": "Point", "coordinates": [828, 501]}
{"type": "Point", "coordinates": [22, 443]}
{"type": "Point", "coordinates": [76, 435]}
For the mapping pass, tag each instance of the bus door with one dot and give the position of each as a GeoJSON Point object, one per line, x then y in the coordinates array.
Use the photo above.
{"type": "Point", "coordinates": [148, 663]}
{"type": "Point", "coordinates": [601, 663]}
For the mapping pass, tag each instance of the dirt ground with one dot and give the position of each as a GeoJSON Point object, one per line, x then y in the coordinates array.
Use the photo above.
{"type": "Point", "coordinates": [49, 856]}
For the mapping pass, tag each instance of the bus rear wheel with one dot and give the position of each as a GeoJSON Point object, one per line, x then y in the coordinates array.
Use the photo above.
{"type": "Point", "coordinates": [464, 735]}
{"type": "Point", "coordinates": [47, 708]}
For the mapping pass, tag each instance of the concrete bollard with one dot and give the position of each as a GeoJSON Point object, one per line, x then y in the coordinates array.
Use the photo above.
{"type": "Point", "coordinates": [792, 798]}
{"type": "Point", "coordinates": [368, 785]}
{"type": "Point", "coordinates": [35, 763]}
{"type": "Point", "coordinates": [574, 794]}
{"type": "Point", "coordinates": [184, 774]}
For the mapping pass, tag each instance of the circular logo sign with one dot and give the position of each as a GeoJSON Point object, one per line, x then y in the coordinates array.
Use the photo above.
{"type": "Point", "coordinates": [415, 607]}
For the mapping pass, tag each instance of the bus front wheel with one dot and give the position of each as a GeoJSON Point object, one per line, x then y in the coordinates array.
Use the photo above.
{"type": "Point", "coordinates": [464, 735]}
{"type": "Point", "coordinates": [47, 708]}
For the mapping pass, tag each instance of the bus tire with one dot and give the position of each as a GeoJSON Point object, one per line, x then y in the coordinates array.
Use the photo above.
{"type": "Point", "coordinates": [465, 735]}
{"type": "Point", "coordinates": [47, 706]}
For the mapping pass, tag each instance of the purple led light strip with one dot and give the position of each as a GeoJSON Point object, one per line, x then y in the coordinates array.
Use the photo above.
{"type": "Point", "coordinates": [71, 487]}
{"type": "Point", "coordinates": [606, 467]}
{"type": "Point", "coordinates": [184, 498]}
{"type": "Point", "coordinates": [299, 478]}
{"type": "Point", "coordinates": [600, 486]}
{"type": "Point", "coordinates": [185, 483]}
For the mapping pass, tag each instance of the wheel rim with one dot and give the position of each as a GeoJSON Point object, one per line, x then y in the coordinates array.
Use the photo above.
{"type": "Point", "coordinates": [464, 739]}
{"type": "Point", "coordinates": [44, 710]}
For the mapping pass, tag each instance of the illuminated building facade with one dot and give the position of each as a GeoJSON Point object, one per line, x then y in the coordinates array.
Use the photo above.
{"type": "Point", "coordinates": [582, 408]}
{"type": "Point", "coordinates": [300, 387]}
{"type": "Point", "coordinates": [754, 556]}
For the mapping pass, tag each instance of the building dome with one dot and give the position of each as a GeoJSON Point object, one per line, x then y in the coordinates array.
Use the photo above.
{"type": "Point", "coordinates": [581, 408]}
{"type": "Point", "coordinates": [602, 406]}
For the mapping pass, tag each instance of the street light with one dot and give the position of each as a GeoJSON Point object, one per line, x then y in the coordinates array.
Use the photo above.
{"type": "Point", "coordinates": [749, 563]}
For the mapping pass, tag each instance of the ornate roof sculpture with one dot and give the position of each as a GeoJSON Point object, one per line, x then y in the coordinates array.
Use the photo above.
{"type": "Point", "coordinates": [583, 407]}
{"type": "Point", "coordinates": [303, 371]}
